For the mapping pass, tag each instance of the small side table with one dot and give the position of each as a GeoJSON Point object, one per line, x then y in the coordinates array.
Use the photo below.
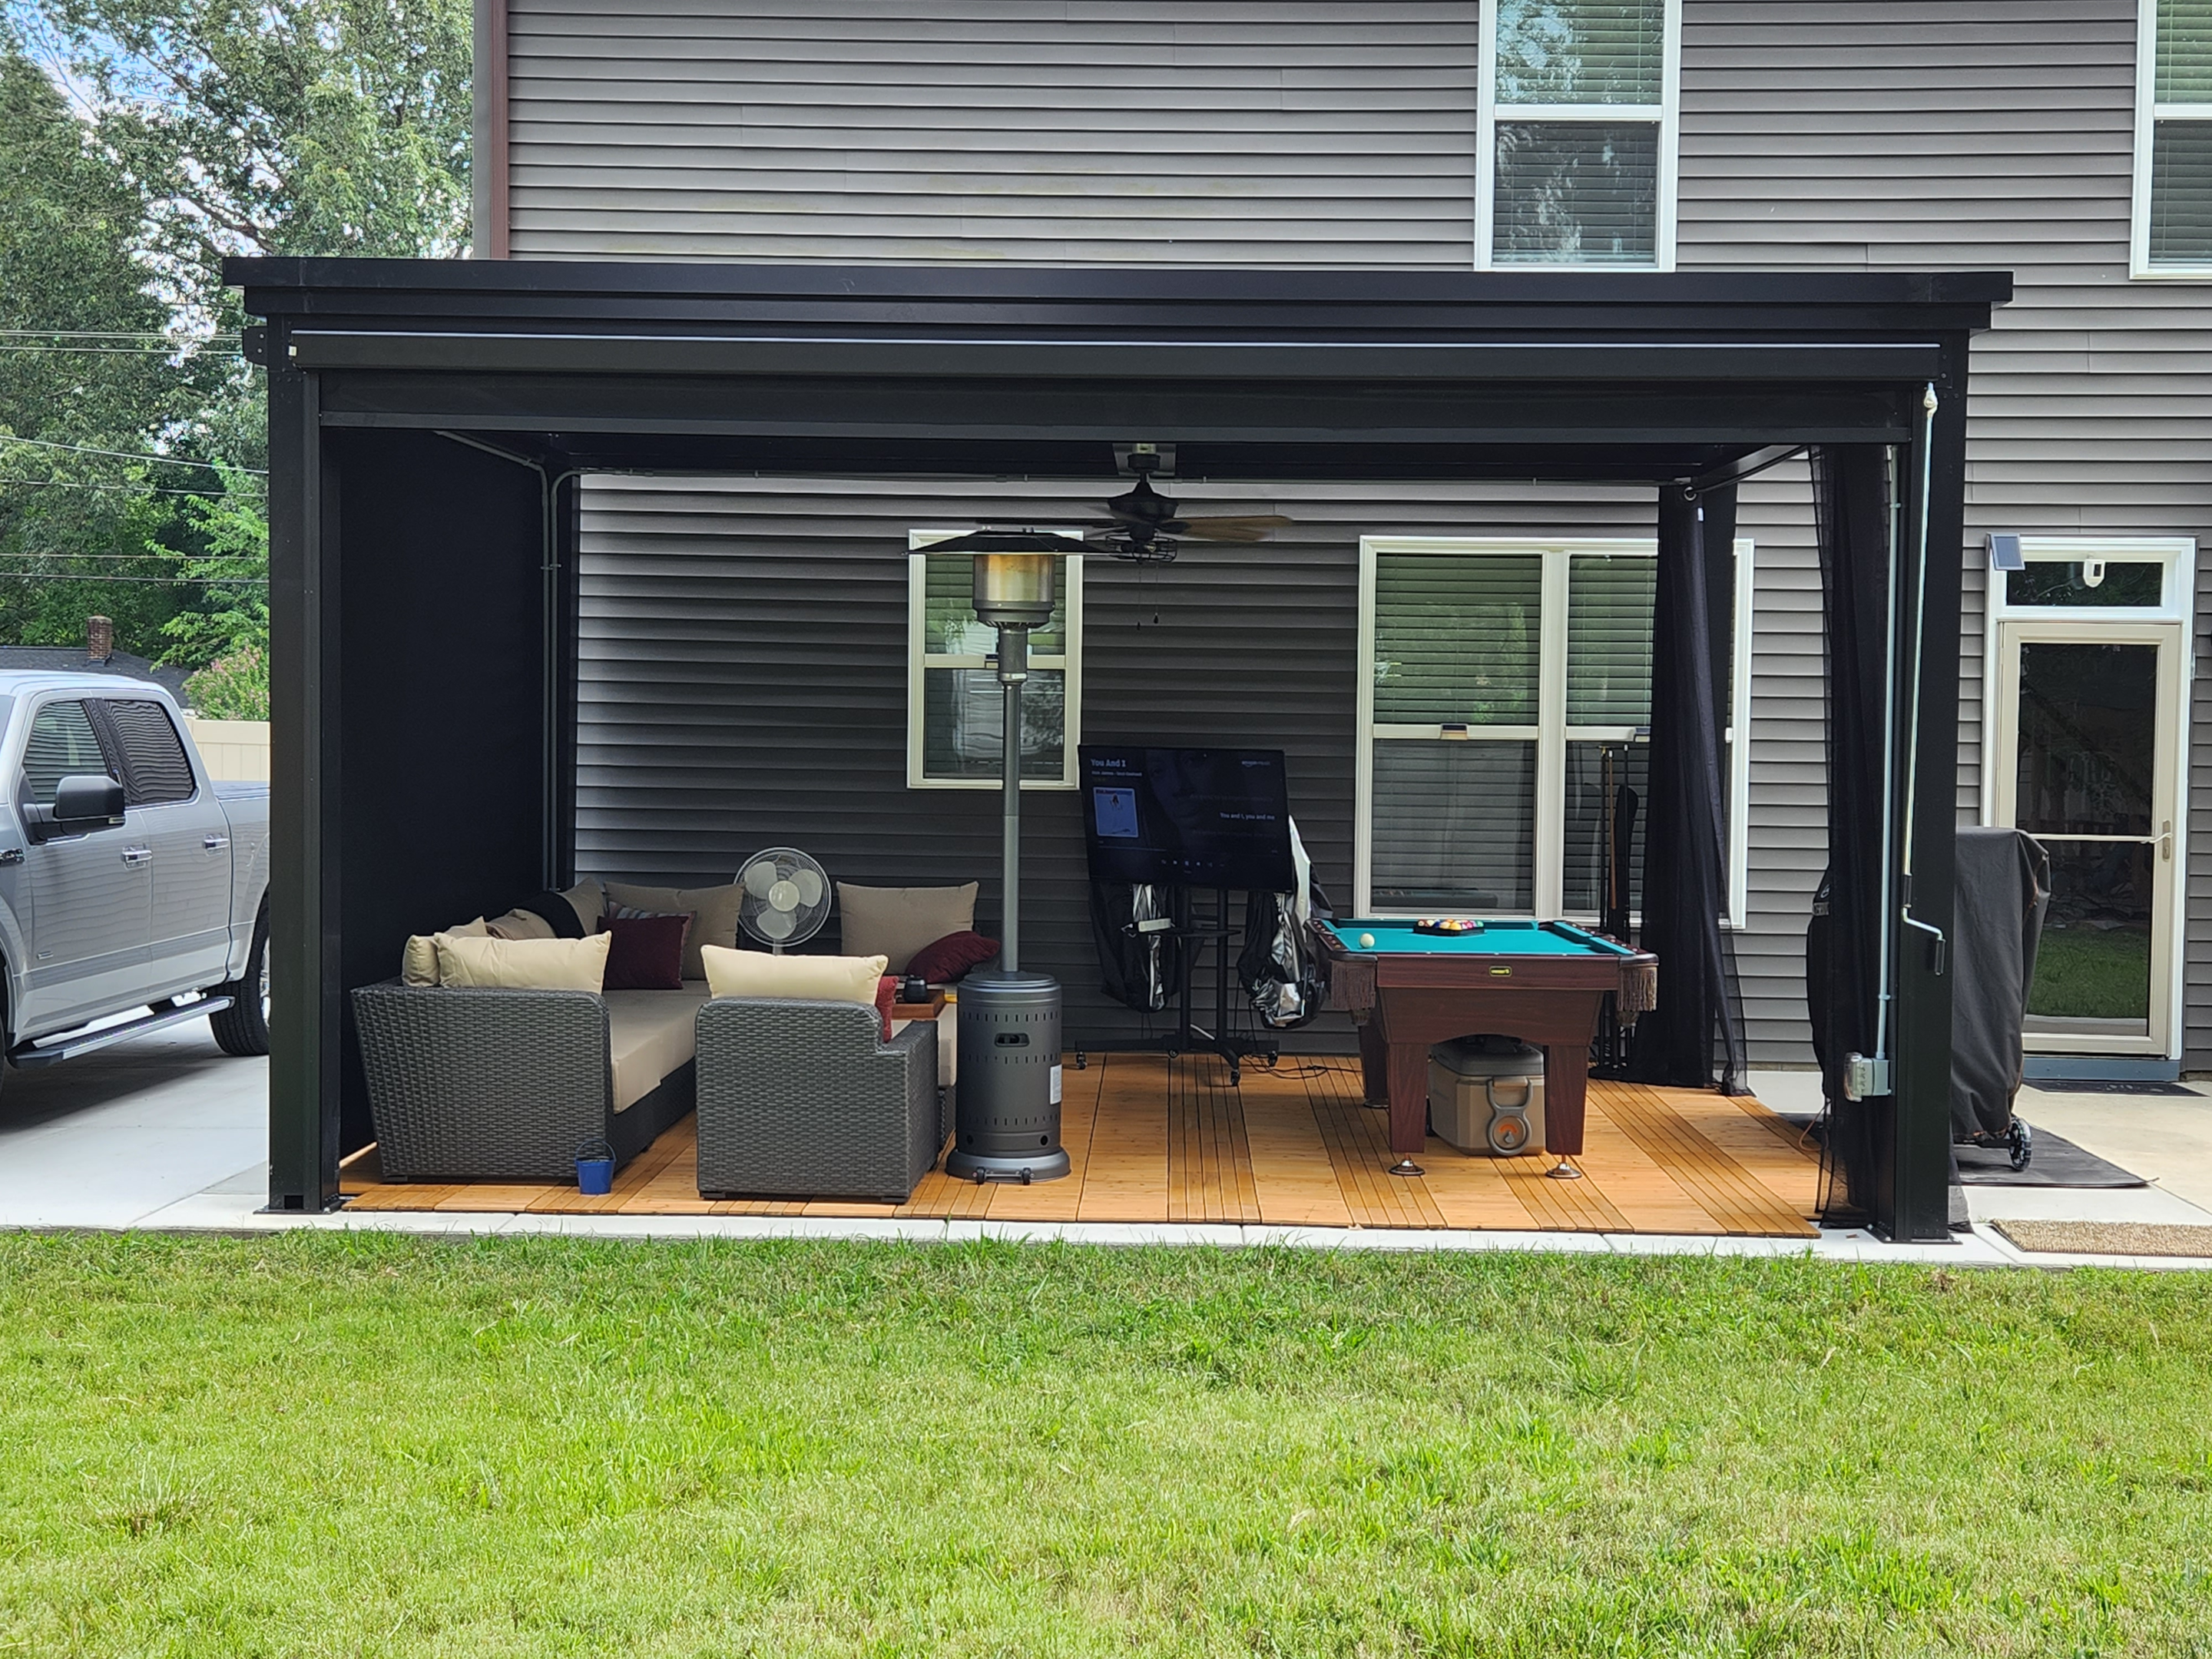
{"type": "Point", "coordinates": [939, 1010]}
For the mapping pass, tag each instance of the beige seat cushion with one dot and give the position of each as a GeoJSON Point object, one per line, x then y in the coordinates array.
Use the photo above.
{"type": "Point", "coordinates": [650, 1034]}
{"type": "Point", "coordinates": [813, 979]}
{"type": "Point", "coordinates": [520, 924]}
{"type": "Point", "coordinates": [713, 912]}
{"type": "Point", "coordinates": [589, 903]}
{"type": "Point", "coordinates": [524, 964]}
{"type": "Point", "coordinates": [897, 922]}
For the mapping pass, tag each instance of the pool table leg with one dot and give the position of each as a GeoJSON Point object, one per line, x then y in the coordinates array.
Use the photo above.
{"type": "Point", "coordinates": [1566, 1085]}
{"type": "Point", "coordinates": [1374, 1062]}
{"type": "Point", "coordinates": [1409, 1102]}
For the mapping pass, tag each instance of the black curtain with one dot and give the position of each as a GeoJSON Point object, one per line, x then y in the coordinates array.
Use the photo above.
{"type": "Point", "coordinates": [1851, 497]}
{"type": "Point", "coordinates": [1685, 887]}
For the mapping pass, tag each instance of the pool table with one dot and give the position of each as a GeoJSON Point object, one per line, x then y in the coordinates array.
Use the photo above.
{"type": "Point", "coordinates": [1544, 983]}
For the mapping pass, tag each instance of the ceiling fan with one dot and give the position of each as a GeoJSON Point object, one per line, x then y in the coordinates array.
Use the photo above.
{"type": "Point", "coordinates": [1145, 525]}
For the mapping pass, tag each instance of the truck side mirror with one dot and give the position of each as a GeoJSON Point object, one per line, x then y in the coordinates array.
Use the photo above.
{"type": "Point", "coordinates": [91, 802]}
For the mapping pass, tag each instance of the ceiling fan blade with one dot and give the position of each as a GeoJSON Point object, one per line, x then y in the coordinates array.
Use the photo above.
{"type": "Point", "coordinates": [1252, 528]}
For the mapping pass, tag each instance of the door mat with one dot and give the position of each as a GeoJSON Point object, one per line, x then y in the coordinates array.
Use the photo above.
{"type": "Point", "coordinates": [2052, 1086]}
{"type": "Point", "coordinates": [2058, 1163]}
{"type": "Point", "coordinates": [2109, 1237]}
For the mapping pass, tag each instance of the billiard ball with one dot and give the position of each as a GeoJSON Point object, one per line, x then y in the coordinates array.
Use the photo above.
{"type": "Point", "coordinates": [1367, 941]}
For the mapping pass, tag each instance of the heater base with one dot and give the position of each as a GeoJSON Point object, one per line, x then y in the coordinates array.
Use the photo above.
{"type": "Point", "coordinates": [980, 1167]}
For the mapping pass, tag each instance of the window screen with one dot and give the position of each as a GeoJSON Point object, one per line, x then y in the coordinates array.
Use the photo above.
{"type": "Point", "coordinates": [1609, 610]}
{"type": "Point", "coordinates": [155, 767]}
{"type": "Point", "coordinates": [1457, 638]}
{"type": "Point", "coordinates": [1575, 132]}
{"type": "Point", "coordinates": [61, 745]}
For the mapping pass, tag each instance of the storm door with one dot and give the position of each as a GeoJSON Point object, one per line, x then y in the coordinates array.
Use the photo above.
{"type": "Point", "coordinates": [2086, 760]}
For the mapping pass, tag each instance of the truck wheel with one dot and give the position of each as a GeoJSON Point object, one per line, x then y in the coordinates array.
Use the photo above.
{"type": "Point", "coordinates": [243, 1028]}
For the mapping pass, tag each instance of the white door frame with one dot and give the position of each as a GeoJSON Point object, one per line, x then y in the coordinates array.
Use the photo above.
{"type": "Point", "coordinates": [2168, 624]}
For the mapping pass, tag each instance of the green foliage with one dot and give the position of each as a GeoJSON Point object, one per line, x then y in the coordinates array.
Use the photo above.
{"type": "Point", "coordinates": [348, 1443]}
{"type": "Point", "coordinates": [282, 126]}
{"type": "Point", "coordinates": [232, 688]}
{"type": "Point", "coordinates": [232, 561]}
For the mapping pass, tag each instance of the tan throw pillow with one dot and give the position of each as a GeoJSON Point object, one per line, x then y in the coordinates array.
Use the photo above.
{"type": "Point", "coordinates": [785, 979]}
{"type": "Point", "coordinates": [524, 964]}
{"type": "Point", "coordinates": [520, 924]}
{"type": "Point", "coordinates": [589, 903]}
{"type": "Point", "coordinates": [418, 961]}
{"type": "Point", "coordinates": [713, 912]}
{"type": "Point", "coordinates": [899, 921]}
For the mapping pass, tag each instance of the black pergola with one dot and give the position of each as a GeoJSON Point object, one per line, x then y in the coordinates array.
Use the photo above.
{"type": "Point", "coordinates": [425, 417]}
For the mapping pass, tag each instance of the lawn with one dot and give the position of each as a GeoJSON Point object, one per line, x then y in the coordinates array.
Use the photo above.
{"type": "Point", "coordinates": [2085, 973]}
{"type": "Point", "coordinates": [327, 1445]}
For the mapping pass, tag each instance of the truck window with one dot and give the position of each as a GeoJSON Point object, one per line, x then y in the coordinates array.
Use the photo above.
{"type": "Point", "coordinates": [61, 745]}
{"type": "Point", "coordinates": [154, 769]}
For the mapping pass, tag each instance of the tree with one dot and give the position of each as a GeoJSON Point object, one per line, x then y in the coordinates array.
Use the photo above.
{"type": "Point", "coordinates": [281, 126]}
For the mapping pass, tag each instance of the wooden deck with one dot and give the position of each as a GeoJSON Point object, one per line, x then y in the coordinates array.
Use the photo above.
{"type": "Point", "coordinates": [1156, 1141]}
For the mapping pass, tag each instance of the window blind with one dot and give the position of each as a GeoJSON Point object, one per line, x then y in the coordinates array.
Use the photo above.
{"type": "Point", "coordinates": [1454, 825]}
{"type": "Point", "coordinates": [1457, 637]}
{"type": "Point", "coordinates": [1576, 192]}
{"type": "Point", "coordinates": [2182, 68]}
{"type": "Point", "coordinates": [1581, 51]}
{"type": "Point", "coordinates": [2181, 192]}
{"type": "Point", "coordinates": [1582, 874]}
{"type": "Point", "coordinates": [1609, 608]}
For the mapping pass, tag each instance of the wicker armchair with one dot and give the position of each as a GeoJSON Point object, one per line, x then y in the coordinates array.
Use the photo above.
{"type": "Point", "coordinates": [805, 1099]}
{"type": "Point", "coordinates": [468, 1084]}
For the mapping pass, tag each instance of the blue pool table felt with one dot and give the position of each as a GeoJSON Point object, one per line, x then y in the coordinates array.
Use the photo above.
{"type": "Point", "coordinates": [1497, 938]}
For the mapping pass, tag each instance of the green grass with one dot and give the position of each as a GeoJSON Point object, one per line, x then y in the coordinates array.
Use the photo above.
{"type": "Point", "coordinates": [328, 1444]}
{"type": "Point", "coordinates": [2086, 973]}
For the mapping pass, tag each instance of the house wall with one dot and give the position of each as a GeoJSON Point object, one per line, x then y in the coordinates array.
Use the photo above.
{"type": "Point", "coordinates": [1816, 134]}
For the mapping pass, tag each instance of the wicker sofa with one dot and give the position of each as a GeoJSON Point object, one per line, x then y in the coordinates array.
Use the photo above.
{"type": "Point", "coordinates": [807, 1099]}
{"type": "Point", "coordinates": [470, 1084]}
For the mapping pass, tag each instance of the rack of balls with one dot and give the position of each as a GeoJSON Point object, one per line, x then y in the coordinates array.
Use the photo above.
{"type": "Point", "coordinates": [1449, 927]}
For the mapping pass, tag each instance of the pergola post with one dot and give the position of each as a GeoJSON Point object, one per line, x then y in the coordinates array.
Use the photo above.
{"type": "Point", "coordinates": [305, 986]}
{"type": "Point", "coordinates": [1913, 1194]}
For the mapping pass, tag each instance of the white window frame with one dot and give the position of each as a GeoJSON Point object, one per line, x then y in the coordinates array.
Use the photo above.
{"type": "Point", "coordinates": [2148, 114]}
{"type": "Point", "coordinates": [919, 658]}
{"type": "Point", "coordinates": [1551, 733]}
{"type": "Point", "coordinates": [1666, 112]}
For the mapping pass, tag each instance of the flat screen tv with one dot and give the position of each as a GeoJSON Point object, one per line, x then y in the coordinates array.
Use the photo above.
{"type": "Point", "coordinates": [1188, 817]}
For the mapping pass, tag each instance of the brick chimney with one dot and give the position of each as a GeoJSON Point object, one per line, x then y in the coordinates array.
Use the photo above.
{"type": "Point", "coordinates": [99, 638]}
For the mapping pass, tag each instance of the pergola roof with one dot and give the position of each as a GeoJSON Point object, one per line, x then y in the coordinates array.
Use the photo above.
{"type": "Point", "coordinates": [968, 370]}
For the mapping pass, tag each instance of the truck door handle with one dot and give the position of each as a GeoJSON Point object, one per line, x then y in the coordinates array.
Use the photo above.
{"type": "Point", "coordinates": [216, 843]}
{"type": "Point", "coordinates": [137, 855]}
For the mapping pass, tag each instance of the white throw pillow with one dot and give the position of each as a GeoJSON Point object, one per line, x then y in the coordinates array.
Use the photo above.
{"type": "Point", "coordinates": [900, 920]}
{"type": "Point", "coordinates": [787, 979]}
{"type": "Point", "coordinates": [524, 964]}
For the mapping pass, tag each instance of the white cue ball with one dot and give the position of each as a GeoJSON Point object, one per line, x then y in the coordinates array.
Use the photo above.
{"type": "Point", "coordinates": [1367, 941]}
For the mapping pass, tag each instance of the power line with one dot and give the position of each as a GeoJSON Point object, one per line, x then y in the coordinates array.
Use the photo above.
{"type": "Point", "coordinates": [114, 334]}
{"type": "Point", "coordinates": [131, 455]}
{"type": "Point", "coordinates": [155, 581]}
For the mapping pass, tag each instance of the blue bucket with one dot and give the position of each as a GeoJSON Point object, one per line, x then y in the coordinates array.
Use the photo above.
{"type": "Point", "coordinates": [595, 1175]}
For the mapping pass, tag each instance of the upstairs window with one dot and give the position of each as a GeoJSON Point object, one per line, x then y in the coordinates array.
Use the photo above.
{"type": "Point", "coordinates": [2173, 222]}
{"type": "Point", "coordinates": [1576, 117]}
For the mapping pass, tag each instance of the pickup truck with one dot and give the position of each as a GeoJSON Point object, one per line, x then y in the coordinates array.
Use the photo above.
{"type": "Point", "coordinates": [133, 887]}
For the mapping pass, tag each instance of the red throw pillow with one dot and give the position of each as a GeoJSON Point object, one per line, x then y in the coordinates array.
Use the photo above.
{"type": "Point", "coordinates": [947, 958]}
{"type": "Point", "coordinates": [886, 994]}
{"type": "Point", "coordinates": [648, 954]}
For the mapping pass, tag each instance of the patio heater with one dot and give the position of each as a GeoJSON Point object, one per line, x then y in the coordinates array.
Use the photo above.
{"type": "Point", "coordinates": [1007, 1117]}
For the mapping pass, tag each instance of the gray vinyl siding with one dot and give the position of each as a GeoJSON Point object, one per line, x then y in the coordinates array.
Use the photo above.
{"type": "Point", "coordinates": [1274, 132]}
{"type": "Point", "coordinates": [1815, 135]}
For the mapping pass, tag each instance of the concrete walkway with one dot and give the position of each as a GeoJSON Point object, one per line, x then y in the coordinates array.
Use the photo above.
{"type": "Point", "coordinates": [168, 1132]}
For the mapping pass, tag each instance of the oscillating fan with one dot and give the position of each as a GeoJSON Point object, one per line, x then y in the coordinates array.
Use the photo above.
{"type": "Point", "coordinates": [787, 897]}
